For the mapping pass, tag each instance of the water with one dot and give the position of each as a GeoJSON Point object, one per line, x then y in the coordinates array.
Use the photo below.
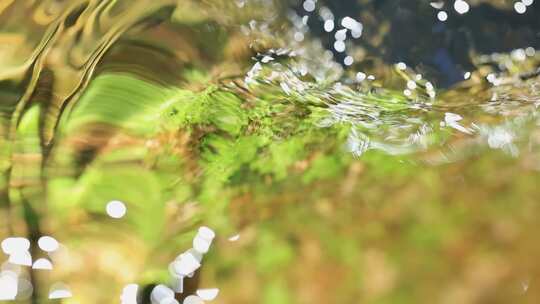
{"type": "Point", "coordinates": [407, 172]}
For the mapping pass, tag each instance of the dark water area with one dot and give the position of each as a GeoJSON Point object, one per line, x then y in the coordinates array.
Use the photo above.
{"type": "Point", "coordinates": [417, 37]}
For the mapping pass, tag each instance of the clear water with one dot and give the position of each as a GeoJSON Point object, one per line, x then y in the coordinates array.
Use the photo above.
{"type": "Point", "coordinates": [378, 178]}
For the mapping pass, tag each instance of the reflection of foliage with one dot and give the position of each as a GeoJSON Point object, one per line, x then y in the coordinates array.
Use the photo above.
{"type": "Point", "coordinates": [234, 156]}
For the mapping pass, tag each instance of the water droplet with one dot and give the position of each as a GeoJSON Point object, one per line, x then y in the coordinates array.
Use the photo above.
{"type": "Point", "coordinates": [326, 13]}
{"type": "Point", "coordinates": [309, 5]}
{"type": "Point", "coordinates": [353, 25]}
{"type": "Point", "coordinates": [530, 51]}
{"type": "Point", "coordinates": [520, 8]}
{"type": "Point", "coordinates": [411, 85]}
{"type": "Point", "coordinates": [48, 243]}
{"type": "Point", "coordinates": [360, 76]}
{"type": "Point", "coordinates": [208, 294]}
{"type": "Point", "coordinates": [60, 291]}
{"type": "Point", "coordinates": [177, 280]}
{"type": "Point", "coordinates": [193, 300]}
{"type": "Point", "coordinates": [461, 7]}
{"type": "Point", "coordinates": [329, 25]}
{"type": "Point", "coordinates": [14, 244]}
{"type": "Point", "coordinates": [201, 244]}
{"type": "Point", "coordinates": [186, 264]}
{"type": "Point", "coordinates": [206, 233]}
{"type": "Point", "coordinates": [356, 33]}
{"type": "Point", "coordinates": [341, 35]}
{"type": "Point", "coordinates": [116, 209]}
{"type": "Point", "coordinates": [267, 59]}
{"type": "Point", "coordinates": [437, 5]}
{"type": "Point", "coordinates": [518, 55]}
{"type": "Point", "coordinates": [161, 293]}
{"type": "Point", "coordinates": [442, 16]}
{"type": "Point", "coordinates": [42, 264]}
{"type": "Point", "coordinates": [23, 258]}
{"type": "Point", "coordinates": [339, 46]}
{"type": "Point", "coordinates": [401, 66]}
{"type": "Point", "coordinates": [234, 238]}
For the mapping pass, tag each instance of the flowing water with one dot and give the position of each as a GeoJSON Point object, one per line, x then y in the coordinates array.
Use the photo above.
{"type": "Point", "coordinates": [329, 176]}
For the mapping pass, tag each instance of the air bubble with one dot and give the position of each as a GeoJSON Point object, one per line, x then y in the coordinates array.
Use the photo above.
{"type": "Point", "coordinates": [461, 7]}
{"type": "Point", "coordinates": [442, 16]}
